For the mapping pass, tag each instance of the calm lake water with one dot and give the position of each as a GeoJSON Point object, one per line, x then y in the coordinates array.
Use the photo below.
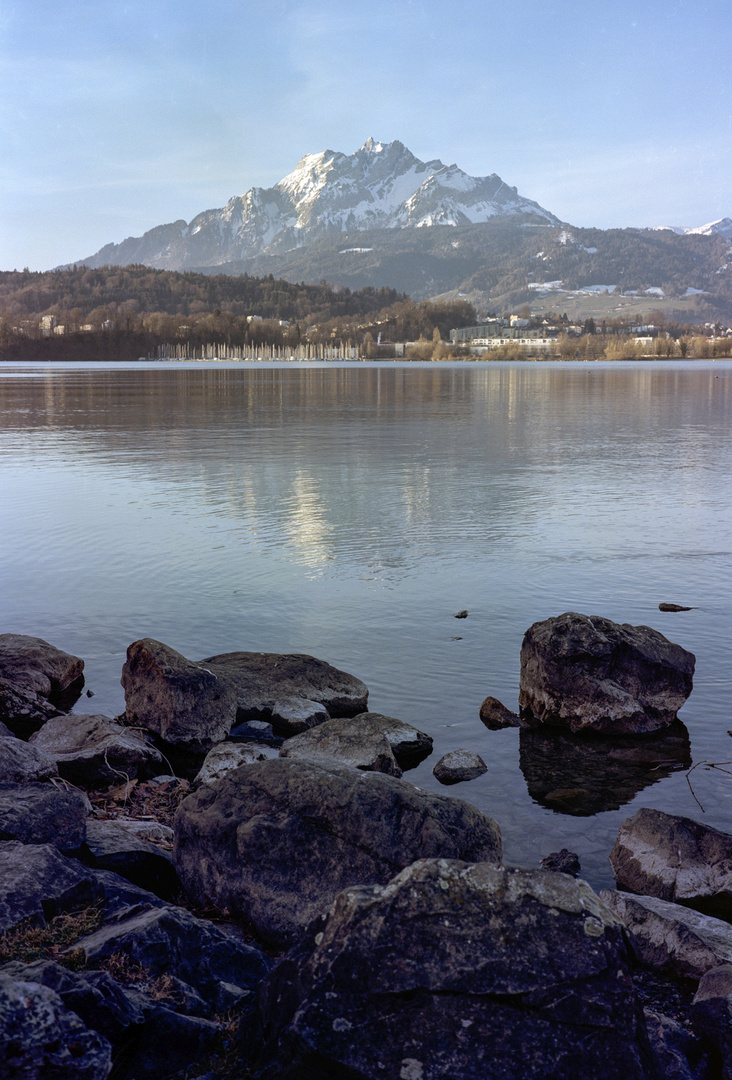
{"type": "Point", "coordinates": [349, 511]}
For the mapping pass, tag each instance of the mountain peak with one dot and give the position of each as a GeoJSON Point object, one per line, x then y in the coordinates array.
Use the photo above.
{"type": "Point", "coordinates": [382, 185]}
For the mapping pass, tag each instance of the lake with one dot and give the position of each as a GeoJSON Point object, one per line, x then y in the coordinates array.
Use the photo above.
{"type": "Point", "coordinates": [349, 511]}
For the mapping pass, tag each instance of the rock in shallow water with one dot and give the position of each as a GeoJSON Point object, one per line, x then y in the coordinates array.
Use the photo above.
{"type": "Point", "coordinates": [675, 858]}
{"type": "Point", "coordinates": [458, 766]}
{"type": "Point", "coordinates": [275, 841]}
{"type": "Point", "coordinates": [587, 673]}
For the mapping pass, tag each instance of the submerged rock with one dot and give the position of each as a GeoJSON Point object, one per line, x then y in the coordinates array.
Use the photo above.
{"type": "Point", "coordinates": [675, 858]}
{"type": "Point", "coordinates": [274, 842]}
{"type": "Point", "coordinates": [456, 970]}
{"type": "Point", "coordinates": [587, 673]}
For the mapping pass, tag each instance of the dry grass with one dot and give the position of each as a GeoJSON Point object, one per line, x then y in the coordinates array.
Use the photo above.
{"type": "Point", "coordinates": [144, 801]}
{"type": "Point", "coordinates": [28, 943]}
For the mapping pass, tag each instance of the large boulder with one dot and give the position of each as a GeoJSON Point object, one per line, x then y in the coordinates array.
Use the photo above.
{"type": "Point", "coordinates": [21, 763]}
{"type": "Point", "coordinates": [455, 970]}
{"type": "Point", "coordinates": [677, 859]}
{"type": "Point", "coordinates": [275, 841]}
{"type": "Point", "coordinates": [670, 938]}
{"type": "Point", "coordinates": [38, 883]}
{"type": "Point", "coordinates": [182, 702]}
{"type": "Point", "coordinates": [31, 664]}
{"type": "Point", "coordinates": [40, 813]}
{"type": "Point", "coordinates": [294, 692]}
{"type": "Point", "coordinates": [587, 673]}
{"type": "Point", "coordinates": [94, 750]}
{"type": "Point", "coordinates": [362, 745]}
{"type": "Point", "coordinates": [42, 1039]}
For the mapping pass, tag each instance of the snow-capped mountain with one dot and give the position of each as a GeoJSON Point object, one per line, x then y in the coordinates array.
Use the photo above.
{"type": "Point", "coordinates": [380, 186]}
{"type": "Point", "coordinates": [722, 227]}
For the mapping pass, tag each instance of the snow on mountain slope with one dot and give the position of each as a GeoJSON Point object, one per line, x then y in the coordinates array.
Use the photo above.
{"type": "Point", "coordinates": [380, 186]}
{"type": "Point", "coordinates": [722, 227]}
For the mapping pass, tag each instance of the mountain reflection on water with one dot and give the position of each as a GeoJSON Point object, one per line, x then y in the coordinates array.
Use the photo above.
{"type": "Point", "coordinates": [349, 511]}
{"type": "Point", "coordinates": [585, 775]}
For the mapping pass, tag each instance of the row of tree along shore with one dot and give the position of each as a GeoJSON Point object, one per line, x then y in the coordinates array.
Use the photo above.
{"type": "Point", "coordinates": [124, 313]}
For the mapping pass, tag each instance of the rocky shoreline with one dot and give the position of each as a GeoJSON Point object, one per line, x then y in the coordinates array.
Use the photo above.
{"type": "Point", "coordinates": [234, 879]}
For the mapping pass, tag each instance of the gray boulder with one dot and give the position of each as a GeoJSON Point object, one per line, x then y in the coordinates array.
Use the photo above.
{"type": "Point", "coordinates": [43, 1040]}
{"type": "Point", "coordinates": [111, 847]}
{"type": "Point", "coordinates": [675, 858]}
{"type": "Point", "coordinates": [711, 1014]}
{"type": "Point", "coordinates": [587, 673]}
{"type": "Point", "coordinates": [38, 883]}
{"type": "Point", "coordinates": [274, 842]}
{"type": "Point", "coordinates": [293, 692]}
{"type": "Point", "coordinates": [182, 702]}
{"type": "Point", "coordinates": [23, 711]}
{"type": "Point", "coordinates": [40, 813]}
{"type": "Point", "coordinates": [21, 763]}
{"type": "Point", "coordinates": [456, 970]}
{"type": "Point", "coordinates": [673, 939]}
{"type": "Point", "coordinates": [408, 744]}
{"type": "Point", "coordinates": [222, 969]}
{"type": "Point", "coordinates": [361, 744]}
{"type": "Point", "coordinates": [226, 756]}
{"type": "Point", "coordinates": [31, 664]}
{"type": "Point", "coordinates": [94, 750]}
{"type": "Point", "coordinates": [458, 766]}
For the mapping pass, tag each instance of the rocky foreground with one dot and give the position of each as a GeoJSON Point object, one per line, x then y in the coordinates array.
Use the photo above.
{"type": "Point", "coordinates": [234, 879]}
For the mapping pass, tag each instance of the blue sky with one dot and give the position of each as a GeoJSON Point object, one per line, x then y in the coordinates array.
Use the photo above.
{"type": "Point", "coordinates": [118, 117]}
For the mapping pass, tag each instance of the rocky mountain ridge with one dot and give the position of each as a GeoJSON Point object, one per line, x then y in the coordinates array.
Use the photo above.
{"type": "Point", "coordinates": [380, 186]}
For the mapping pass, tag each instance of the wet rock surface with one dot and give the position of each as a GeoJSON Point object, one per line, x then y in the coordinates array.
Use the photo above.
{"type": "Point", "coordinates": [675, 858]}
{"type": "Point", "coordinates": [583, 673]}
{"type": "Point", "coordinates": [275, 841]}
{"type": "Point", "coordinates": [455, 970]}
